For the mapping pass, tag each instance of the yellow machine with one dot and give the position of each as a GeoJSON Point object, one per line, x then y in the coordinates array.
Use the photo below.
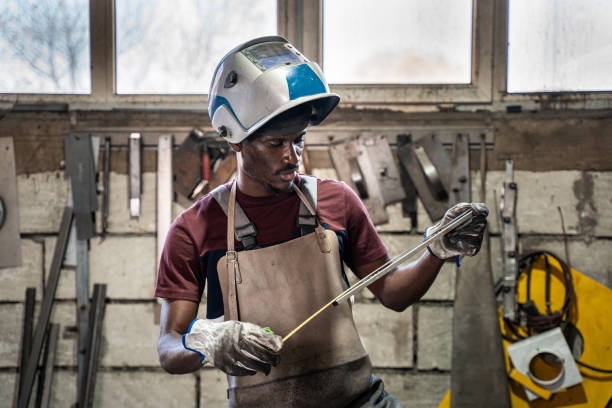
{"type": "Point", "coordinates": [552, 295]}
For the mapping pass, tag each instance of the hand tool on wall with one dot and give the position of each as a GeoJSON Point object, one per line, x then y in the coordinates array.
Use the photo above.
{"type": "Point", "coordinates": [135, 174]}
{"type": "Point", "coordinates": [106, 184]}
{"type": "Point", "coordinates": [200, 164]}
{"type": "Point", "coordinates": [10, 243]}
{"type": "Point", "coordinates": [45, 310]}
{"type": "Point", "coordinates": [387, 267]}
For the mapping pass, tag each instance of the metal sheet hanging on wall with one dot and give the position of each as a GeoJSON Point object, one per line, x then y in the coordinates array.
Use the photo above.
{"type": "Point", "coordinates": [10, 243]}
{"type": "Point", "coordinates": [435, 202]}
{"type": "Point", "coordinates": [355, 171]}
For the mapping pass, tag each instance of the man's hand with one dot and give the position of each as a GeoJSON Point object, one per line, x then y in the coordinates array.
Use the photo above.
{"type": "Point", "coordinates": [463, 240]}
{"type": "Point", "coordinates": [236, 348]}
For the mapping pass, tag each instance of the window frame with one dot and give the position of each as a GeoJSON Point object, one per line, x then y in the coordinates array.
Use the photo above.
{"type": "Point", "coordinates": [478, 90]}
{"type": "Point", "coordinates": [301, 21]}
{"type": "Point", "coordinates": [552, 99]}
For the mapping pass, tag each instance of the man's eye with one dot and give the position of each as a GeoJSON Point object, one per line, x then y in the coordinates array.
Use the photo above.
{"type": "Point", "coordinates": [275, 142]}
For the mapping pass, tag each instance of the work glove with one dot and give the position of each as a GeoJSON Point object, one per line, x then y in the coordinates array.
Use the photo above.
{"type": "Point", "coordinates": [236, 348]}
{"type": "Point", "coordinates": [466, 239]}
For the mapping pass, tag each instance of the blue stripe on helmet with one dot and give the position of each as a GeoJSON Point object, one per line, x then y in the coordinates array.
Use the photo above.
{"type": "Point", "coordinates": [303, 81]}
{"type": "Point", "coordinates": [219, 101]}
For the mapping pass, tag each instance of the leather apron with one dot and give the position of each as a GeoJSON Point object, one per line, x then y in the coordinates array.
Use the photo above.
{"type": "Point", "coordinates": [324, 363]}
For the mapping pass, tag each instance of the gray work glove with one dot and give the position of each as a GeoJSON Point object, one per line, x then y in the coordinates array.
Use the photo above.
{"type": "Point", "coordinates": [463, 240]}
{"type": "Point", "coordinates": [236, 348]}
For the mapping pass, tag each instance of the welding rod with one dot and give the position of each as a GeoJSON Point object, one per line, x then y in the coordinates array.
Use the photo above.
{"type": "Point", "coordinates": [388, 267]}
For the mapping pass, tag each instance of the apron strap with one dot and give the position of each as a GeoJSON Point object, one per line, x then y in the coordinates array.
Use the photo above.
{"type": "Point", "coordinates": [306, 221]}
{"type": "Point", "coordinates": [233, 268]}
{"type": "Point", "coordinates": [244, 230]}
{"type": "Point", "coordinates": [322, 239]}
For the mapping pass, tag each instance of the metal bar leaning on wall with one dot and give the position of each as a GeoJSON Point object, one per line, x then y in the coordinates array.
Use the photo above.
{"type": "Point", "coordinates": [26, 339]}
{"type": "Point", "coordinates": [45, 379]}
{"type": "Point", "coordinates": [98, 305]}
{"type": "Point", "coordinates": [45, 309]}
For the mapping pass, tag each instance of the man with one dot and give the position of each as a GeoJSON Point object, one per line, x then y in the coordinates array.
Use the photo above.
{"type": "Point", "coordinates": [288, 235]}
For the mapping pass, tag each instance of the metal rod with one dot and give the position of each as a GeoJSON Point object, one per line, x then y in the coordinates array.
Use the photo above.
{"type": "Point", "coordinates": [387, 267]}
{"type": "Point", "coordinates": [106, 184]}
{"type": "Point", "coordinates": [47, 373]}
{"type": "Point", "coordinates": [86, 393]}
{"type": "Point", "coordinates": [45, 309]}
{"type": "Point", "coordinates": [26, 339]}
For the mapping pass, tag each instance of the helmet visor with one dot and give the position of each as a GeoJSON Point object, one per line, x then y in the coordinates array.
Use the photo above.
{"type": "Point", "coordinates": [271, 54]}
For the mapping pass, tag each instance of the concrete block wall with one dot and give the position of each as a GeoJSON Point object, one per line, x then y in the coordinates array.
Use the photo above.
{"type": "Point", "coordinates": [411, 351]}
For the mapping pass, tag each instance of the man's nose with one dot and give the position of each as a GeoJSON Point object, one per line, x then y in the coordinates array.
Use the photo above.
{"type": "Point", "coordinates": [291, 154]}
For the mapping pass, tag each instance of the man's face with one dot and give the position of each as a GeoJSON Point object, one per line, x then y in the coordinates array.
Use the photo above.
{"type": "Point", "coordinates": [271, 162]}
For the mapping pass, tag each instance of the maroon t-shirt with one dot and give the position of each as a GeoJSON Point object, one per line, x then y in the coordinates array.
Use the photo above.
{"type": "Point", "coordinates": [197, 238]}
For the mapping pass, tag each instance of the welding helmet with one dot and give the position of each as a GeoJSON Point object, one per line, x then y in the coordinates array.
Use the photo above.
{"type": "Point", "coordinates": [261, 79]}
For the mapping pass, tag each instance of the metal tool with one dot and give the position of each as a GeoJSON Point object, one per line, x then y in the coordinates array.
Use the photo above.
{"type": "Point", "coordinates": [387, 267]}
{"type": "Point", "coordinates": [106, 184]}
{"type": "Point", "coordinates": [135, 174]}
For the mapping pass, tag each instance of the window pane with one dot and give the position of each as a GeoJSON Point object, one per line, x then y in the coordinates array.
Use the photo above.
{"type": "Point", "coordinates": [559, 45]}
{"type": "Point", "coordinates": [173, 47]}
{"type": "Point", "coordinates": [44, 46]}
{"type": "Point", "coordinates": [397, 41]}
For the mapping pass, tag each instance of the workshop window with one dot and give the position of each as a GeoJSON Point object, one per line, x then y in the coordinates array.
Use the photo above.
{"type": "Point", "coordinates": [44, 46]}
{"type": "Point", "coordinates": [397, 41]}
{"type": "Point", "coordinates": [167, 47]}
{"type": "Point", "coordinates": [559, 45]}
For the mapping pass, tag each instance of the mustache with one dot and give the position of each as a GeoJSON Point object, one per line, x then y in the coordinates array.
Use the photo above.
{"type": "Point", "coordinates": [288, 168]}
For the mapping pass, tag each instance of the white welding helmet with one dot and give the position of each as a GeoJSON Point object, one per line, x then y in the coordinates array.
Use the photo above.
{"type": "Point", "coordinates": [260, 79]}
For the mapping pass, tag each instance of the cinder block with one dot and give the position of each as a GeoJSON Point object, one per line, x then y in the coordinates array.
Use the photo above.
{"type": "Point", "coordinates": [213, 388]}
{"type": "Point", "coordinates": [14, 281]}
{"type": "Point", "coordinates": [386, 334]}
{"type": "Point", "coordinates": [119, 219]}
{"type": "Point", "coordinates": [539, 195]}
{"type": "Point", "coordinates": [416, 390]}
{"type": "Point", "coordinates": [130, 336]}
{"type": "Point", "coordinates": [144, 389]}
{"type": "Point", "coordinates": [602, 197]}
{"type": "Point", "coordinates": [42, 198]}
{"type": "Point", "coordinates": [11, 323]}
{"type": "Point", "coordinates": [435, 327]}
{"type": "Point", "coordinates": [125, 263]}
{"type": "Point", "coordinates": [443, 287]}
{"type": "Point", "coordinates": [64, 390]}
{"type": "Point", "coordinates": [594, 259]}
{"type": "Point", "coordinates": [7, 388]}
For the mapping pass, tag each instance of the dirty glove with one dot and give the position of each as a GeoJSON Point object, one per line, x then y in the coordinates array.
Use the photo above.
{"type": "Point", "coordinates": [236, 348]}
{"type": "Point", "coordinates": [463, 240]}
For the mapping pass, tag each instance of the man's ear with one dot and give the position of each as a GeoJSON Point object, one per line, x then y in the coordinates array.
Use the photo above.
{"type": "Point", "coordinates": [235, 146]}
